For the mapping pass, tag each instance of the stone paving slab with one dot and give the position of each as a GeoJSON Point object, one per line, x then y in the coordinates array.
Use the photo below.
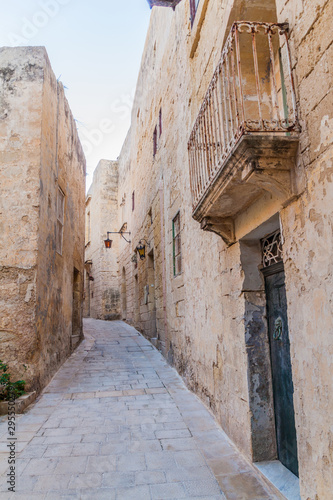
{"type": "Point", "coordinates": [117, 422]}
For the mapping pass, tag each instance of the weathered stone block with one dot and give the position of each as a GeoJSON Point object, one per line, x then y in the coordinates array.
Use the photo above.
{"type": "Point", "coordinates": [39, 143]}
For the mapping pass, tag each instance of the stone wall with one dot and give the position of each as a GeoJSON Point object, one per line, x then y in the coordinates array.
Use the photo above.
{"type": "Point", "coordinates": [307, 229]}
{"type": "Point", "coordinates": [21, 90]}
{"type": "Point", "coordinates": [198, 318]}
{"type": "Point", "coordinates": [210, 320]}
{"type": "Point", "coordinates": [41, 322]}
{"type": "Point", "coordinates": [102, 296]}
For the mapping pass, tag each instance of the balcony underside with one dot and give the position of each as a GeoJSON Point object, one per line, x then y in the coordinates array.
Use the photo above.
{"type": "Point", "coordinates": [163, 3]}
{"type": "Point", "coordinates": [258, 163]}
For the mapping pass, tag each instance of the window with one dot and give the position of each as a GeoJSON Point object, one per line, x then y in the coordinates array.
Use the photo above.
{"type": "Point", "coordinates": [160, 122]}
{"type": "Point", "coordinates": [133, 201]}
{"type": "Point", "coordinates": [60, 220]}
{"type": "Point", "coordinates": [193, 7]}
{"type": "Point", "coordinates": [177, 252]}
{"type": "Point", "coordinates": [157, 133]}
{"type": "Point", "coordinates": [88, 228]}
{"type": "Point", "coordinates": [155, 141]}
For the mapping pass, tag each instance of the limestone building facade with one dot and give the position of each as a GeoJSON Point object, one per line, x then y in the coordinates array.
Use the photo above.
{"type": "Point", "coordinates": [225, 179]}
{"type": "Point", "coordinates": [101, 292]}
{"type": "Point", "coordinates": [42, 171]}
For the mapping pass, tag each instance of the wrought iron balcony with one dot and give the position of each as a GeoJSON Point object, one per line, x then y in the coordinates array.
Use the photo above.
{"type": "Point", "coordinates": [163, 3]}
{"type": "Point", "coordinates": [245, 137]}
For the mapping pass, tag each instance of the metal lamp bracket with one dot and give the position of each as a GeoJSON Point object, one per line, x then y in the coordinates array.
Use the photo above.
{"type": "Point", "coordinates": [121, 233]}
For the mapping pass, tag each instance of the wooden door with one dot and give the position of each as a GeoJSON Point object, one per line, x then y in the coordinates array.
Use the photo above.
{"type": "Point", "coordinates": [281, 366]}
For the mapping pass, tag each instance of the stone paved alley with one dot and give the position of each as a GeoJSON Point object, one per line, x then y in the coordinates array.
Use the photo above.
{"type": "Point", "coordinates": [117, 422]}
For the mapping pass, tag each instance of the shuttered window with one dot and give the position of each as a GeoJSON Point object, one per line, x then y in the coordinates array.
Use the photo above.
{"type": "Point", "coordinates": [160, 122]}
{"type": "Point", "coordinates": [177, 252]}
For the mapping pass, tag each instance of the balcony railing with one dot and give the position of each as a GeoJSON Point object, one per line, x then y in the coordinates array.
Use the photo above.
{"type": "Point", "coordinates": [251, 93]}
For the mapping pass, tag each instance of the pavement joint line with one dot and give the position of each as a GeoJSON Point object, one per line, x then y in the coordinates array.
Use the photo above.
{"type": "Point", "coordinates": [113, 394]}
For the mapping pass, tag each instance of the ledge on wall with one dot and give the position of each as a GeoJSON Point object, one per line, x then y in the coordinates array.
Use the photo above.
{"type": "Point", "coordinates": [285, 482]}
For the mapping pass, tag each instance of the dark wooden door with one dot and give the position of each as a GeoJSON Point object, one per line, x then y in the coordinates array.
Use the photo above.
{"type": "Point", "coordinates": [281, 367]}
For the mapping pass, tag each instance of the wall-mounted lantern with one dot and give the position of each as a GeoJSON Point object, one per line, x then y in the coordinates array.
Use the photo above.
{"type": "Point", "coordinates": [163, 3]}
{"type": "Point", "coordinates": [108, 242]}
{"type": "Point", "coordinates": [141, 248]}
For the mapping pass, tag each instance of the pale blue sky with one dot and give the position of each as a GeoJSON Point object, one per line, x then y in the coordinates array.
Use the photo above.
{"type": "Point", "coordinates": [95, 47]}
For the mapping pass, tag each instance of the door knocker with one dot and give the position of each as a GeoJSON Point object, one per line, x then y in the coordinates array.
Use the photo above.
{"type": "Point", "coordinates": [278, 329]}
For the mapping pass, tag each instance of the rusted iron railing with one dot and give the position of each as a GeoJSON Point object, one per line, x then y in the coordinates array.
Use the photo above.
{"type": "Point", "coordinates": [252, 92]}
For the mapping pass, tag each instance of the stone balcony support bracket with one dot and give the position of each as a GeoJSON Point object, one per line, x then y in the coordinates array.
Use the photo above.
{"type": "Point", "coordinates": [257, 165]}
{"type": "Point", "coordinates": [224, 227]}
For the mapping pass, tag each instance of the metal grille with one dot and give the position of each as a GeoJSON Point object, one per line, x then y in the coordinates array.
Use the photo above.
{"type": "Point", "coordinates": [272, 252]}
{"type": "Point", "coordinates": [252, 91]}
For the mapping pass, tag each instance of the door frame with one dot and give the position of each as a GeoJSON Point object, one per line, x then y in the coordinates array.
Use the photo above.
{"type": "Point", "coordinates": [260, 385]}
{"type": "Point", "coordinates": [272, 270]}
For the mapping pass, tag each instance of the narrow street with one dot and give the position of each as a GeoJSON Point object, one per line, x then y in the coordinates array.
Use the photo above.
{"type": "Point", "coordinates": [117, 422]}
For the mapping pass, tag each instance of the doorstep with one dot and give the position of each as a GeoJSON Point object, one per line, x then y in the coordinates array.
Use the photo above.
{"type": "Point", "coordinates": [20, 404]}
{"type": "Point", "coordinates": [284, 481]}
